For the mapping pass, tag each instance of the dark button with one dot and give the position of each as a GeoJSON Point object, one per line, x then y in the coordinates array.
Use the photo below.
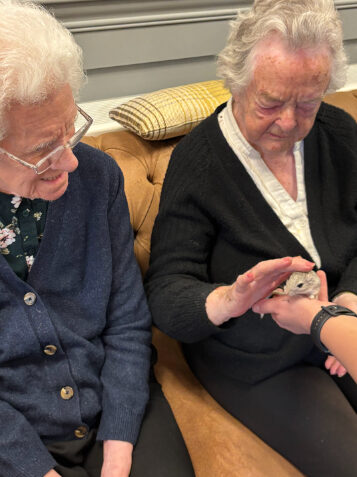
{"type": "Point", "coordinates": [50, 350]}
{"type": "Point", "coordinates": [81, 432]}
{"type": "Point", "coordinates": [30, 298]}
{"type": "Point", "coordinates": [67, 392]}
{"type": "Point", "coordinates": [26, 212]}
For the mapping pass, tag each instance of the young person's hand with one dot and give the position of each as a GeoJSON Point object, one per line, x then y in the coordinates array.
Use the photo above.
{"type": "Point", "coordinates": [296, 313]}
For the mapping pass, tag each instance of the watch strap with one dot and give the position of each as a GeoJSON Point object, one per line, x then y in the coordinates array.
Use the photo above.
{"type": "Point", "coordinates": [320, 319]}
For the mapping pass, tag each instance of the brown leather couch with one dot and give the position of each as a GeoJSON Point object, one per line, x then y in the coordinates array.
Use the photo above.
{"type": "Point", "coordinates": [218, 444]}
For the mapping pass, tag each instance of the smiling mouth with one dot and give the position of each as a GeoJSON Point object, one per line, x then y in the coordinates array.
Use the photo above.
{"type": "Point", "coordinates": [53, 178]}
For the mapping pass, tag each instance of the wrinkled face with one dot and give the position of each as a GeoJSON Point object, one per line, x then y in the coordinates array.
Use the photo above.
{"type": "Point", "coordinates": [279, 105]}
{"type": "Point", "coordinates": [34, 131]}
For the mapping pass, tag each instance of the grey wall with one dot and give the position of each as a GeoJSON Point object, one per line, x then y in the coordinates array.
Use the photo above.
{"type": "Point", "coordinates": [136, 46]}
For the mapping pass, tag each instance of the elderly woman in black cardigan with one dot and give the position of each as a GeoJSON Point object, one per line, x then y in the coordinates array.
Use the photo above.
{"type": "Point", "coordinates": [264, 187]}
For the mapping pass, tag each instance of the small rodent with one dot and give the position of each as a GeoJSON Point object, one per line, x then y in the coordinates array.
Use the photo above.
{"type": "Point", "coordinates": [300, 283]}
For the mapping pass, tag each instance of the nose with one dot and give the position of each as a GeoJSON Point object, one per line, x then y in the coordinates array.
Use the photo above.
{"type": "Point", "coordinates": [67, 162]}
{"type": "Point", "coordinates": [287, 120]}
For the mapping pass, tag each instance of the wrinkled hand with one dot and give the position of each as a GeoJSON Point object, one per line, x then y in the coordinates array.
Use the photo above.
{"type": "Point", "coordinates": [231, 301]}
{"type": "Point", "coordinates": [52, 473]}
{"type": "Point", "coordinates": [117, 458]}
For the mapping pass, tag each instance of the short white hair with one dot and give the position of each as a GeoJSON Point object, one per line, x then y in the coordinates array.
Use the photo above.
{"type": "Point", "coordinates": [299, 23]}
{"type": "Point", "coordinates": [38, 55]}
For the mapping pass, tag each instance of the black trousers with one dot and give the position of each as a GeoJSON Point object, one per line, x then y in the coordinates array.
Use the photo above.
{"type": "Point", "coordinates": [159, 452]}
{"type": "Point", "coordinates": [303, 413]}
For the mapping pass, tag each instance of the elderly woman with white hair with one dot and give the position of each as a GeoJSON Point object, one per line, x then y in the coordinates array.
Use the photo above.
{"type": "Point", "coordinates": [264, 187]}
{"type": "Point", "coordinates": [75, 326]}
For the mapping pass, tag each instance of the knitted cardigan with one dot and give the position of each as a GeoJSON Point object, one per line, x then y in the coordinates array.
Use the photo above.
{"type": "Point", "coordinates": [214, 224]}
{"type": "Point", "coordinates": [90, 304]}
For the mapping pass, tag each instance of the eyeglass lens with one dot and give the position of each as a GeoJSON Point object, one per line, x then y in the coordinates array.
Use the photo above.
{"type": "Point", "coordinates": [73, 141]}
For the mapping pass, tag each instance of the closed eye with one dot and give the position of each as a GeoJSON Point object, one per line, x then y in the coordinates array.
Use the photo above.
{"type": "Point", "coordinates": [270, 106]}
{"type": "Point", "coordinates": [308, 107]}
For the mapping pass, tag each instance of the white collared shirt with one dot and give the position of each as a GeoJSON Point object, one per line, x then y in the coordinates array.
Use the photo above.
{"type": "Point", "coordinates": [293, 214]}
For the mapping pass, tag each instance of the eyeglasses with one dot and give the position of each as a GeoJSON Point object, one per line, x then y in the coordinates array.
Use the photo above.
{"type": "Point", "coordinates": [51, 158]}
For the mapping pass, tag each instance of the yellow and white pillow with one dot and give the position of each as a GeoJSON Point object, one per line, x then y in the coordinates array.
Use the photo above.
{"type": "Point", "coordinates": [170, 112]}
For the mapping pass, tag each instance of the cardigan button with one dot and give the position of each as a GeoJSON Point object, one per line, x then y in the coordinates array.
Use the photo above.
{"type": "Point", "coordinates": [30, 298]}
{"type": "Point", "coordinates": [81, 432]}
{"type": "Point", "coordinates": [50, 350]}
{"type": "Point", "coordinates": [67, 393]}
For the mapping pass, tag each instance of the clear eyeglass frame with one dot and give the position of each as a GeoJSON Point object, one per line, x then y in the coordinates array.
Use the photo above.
{"type": "Point", "coordinates": [46, 162]}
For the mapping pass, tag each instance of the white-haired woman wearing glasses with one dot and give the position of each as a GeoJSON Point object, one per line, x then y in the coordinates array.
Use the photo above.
{"type": "Point", "coordinates": [75, 327]}
{"type": "Point", "coordinates": [264, 187]}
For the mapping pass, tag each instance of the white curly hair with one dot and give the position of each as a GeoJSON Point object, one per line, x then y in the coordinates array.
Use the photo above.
{"type": "Point", "coordinates": [300, 23]}
{"type": "Point", "coordinates": [38, 55]}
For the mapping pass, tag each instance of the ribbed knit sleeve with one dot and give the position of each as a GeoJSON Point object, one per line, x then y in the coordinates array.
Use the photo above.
{"type": "Point", "coordinates": [177, 282]}
{"type": "Point", "coordinates": [127, 335]}
{"type": "Point", "coordinates": [340, 131]}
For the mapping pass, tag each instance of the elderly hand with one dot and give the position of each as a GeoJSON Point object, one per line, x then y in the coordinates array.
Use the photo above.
{"type": "Point", "coordinates": [117, 458]}
{"type": "Point", "coordinates": [52, 473]}
{"type": "Point", "coordinates": [234, 300]}
{"type": "Point", "coordinates": [295, 314]}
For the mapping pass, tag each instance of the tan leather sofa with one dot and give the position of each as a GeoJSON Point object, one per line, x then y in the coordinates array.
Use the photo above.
{"type": "Point", "coordinates": [218, 444]}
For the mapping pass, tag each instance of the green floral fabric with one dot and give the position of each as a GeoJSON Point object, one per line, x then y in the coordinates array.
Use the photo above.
{"type": "Point", "coordinates": [22, 223]}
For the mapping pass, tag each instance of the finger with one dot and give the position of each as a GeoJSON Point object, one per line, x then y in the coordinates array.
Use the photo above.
{"type": "Point", "coordinates": [268, 305]}
{"type": "Point", "coordinates": [242, 281]}
{"type": "Point", "coordinates": [334, 368]}
{"type": "Point", "coordinates": [300, 264]}
{"type": "Point", "coordinates": [282, 265]}
{"type": "Point", "coordinates": [334, 365]}
{"type": "Point", "coordinates": [323, 294]}
{"type": "Point", "coordinates": [341, 371]}
{"type": "Point", "coordinates": [276, 269]}
{"type": "Point", "coordinates": [329, 361]}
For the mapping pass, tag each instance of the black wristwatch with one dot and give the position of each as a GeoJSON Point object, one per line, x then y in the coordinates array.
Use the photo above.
{"type": "Point", "coordinates": [320, 319]}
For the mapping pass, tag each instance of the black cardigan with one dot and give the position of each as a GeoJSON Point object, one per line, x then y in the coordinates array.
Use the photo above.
{"type": "Point", "coordinates": [214, 224]}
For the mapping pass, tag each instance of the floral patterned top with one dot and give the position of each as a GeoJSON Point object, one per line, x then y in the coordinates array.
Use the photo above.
{"type": "Point", "coordinates": [22, 223]}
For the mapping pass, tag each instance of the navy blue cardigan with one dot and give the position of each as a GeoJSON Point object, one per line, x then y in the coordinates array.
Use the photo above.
{"type": "Point", "coordinates": [89, 304]}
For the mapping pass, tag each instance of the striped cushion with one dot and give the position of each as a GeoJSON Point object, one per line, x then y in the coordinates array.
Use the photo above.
{"type": "Point", "coordinates": [170, 112]}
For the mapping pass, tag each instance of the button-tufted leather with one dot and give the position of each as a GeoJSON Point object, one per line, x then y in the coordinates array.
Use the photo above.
{"type": "Point", "coordinates": [144, 165]}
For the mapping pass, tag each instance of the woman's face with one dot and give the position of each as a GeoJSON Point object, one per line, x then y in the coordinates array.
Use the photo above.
{"type": "Point", "coordinates": [34, 131]}
{"type": "Point", "coordinates": [279, 105]}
